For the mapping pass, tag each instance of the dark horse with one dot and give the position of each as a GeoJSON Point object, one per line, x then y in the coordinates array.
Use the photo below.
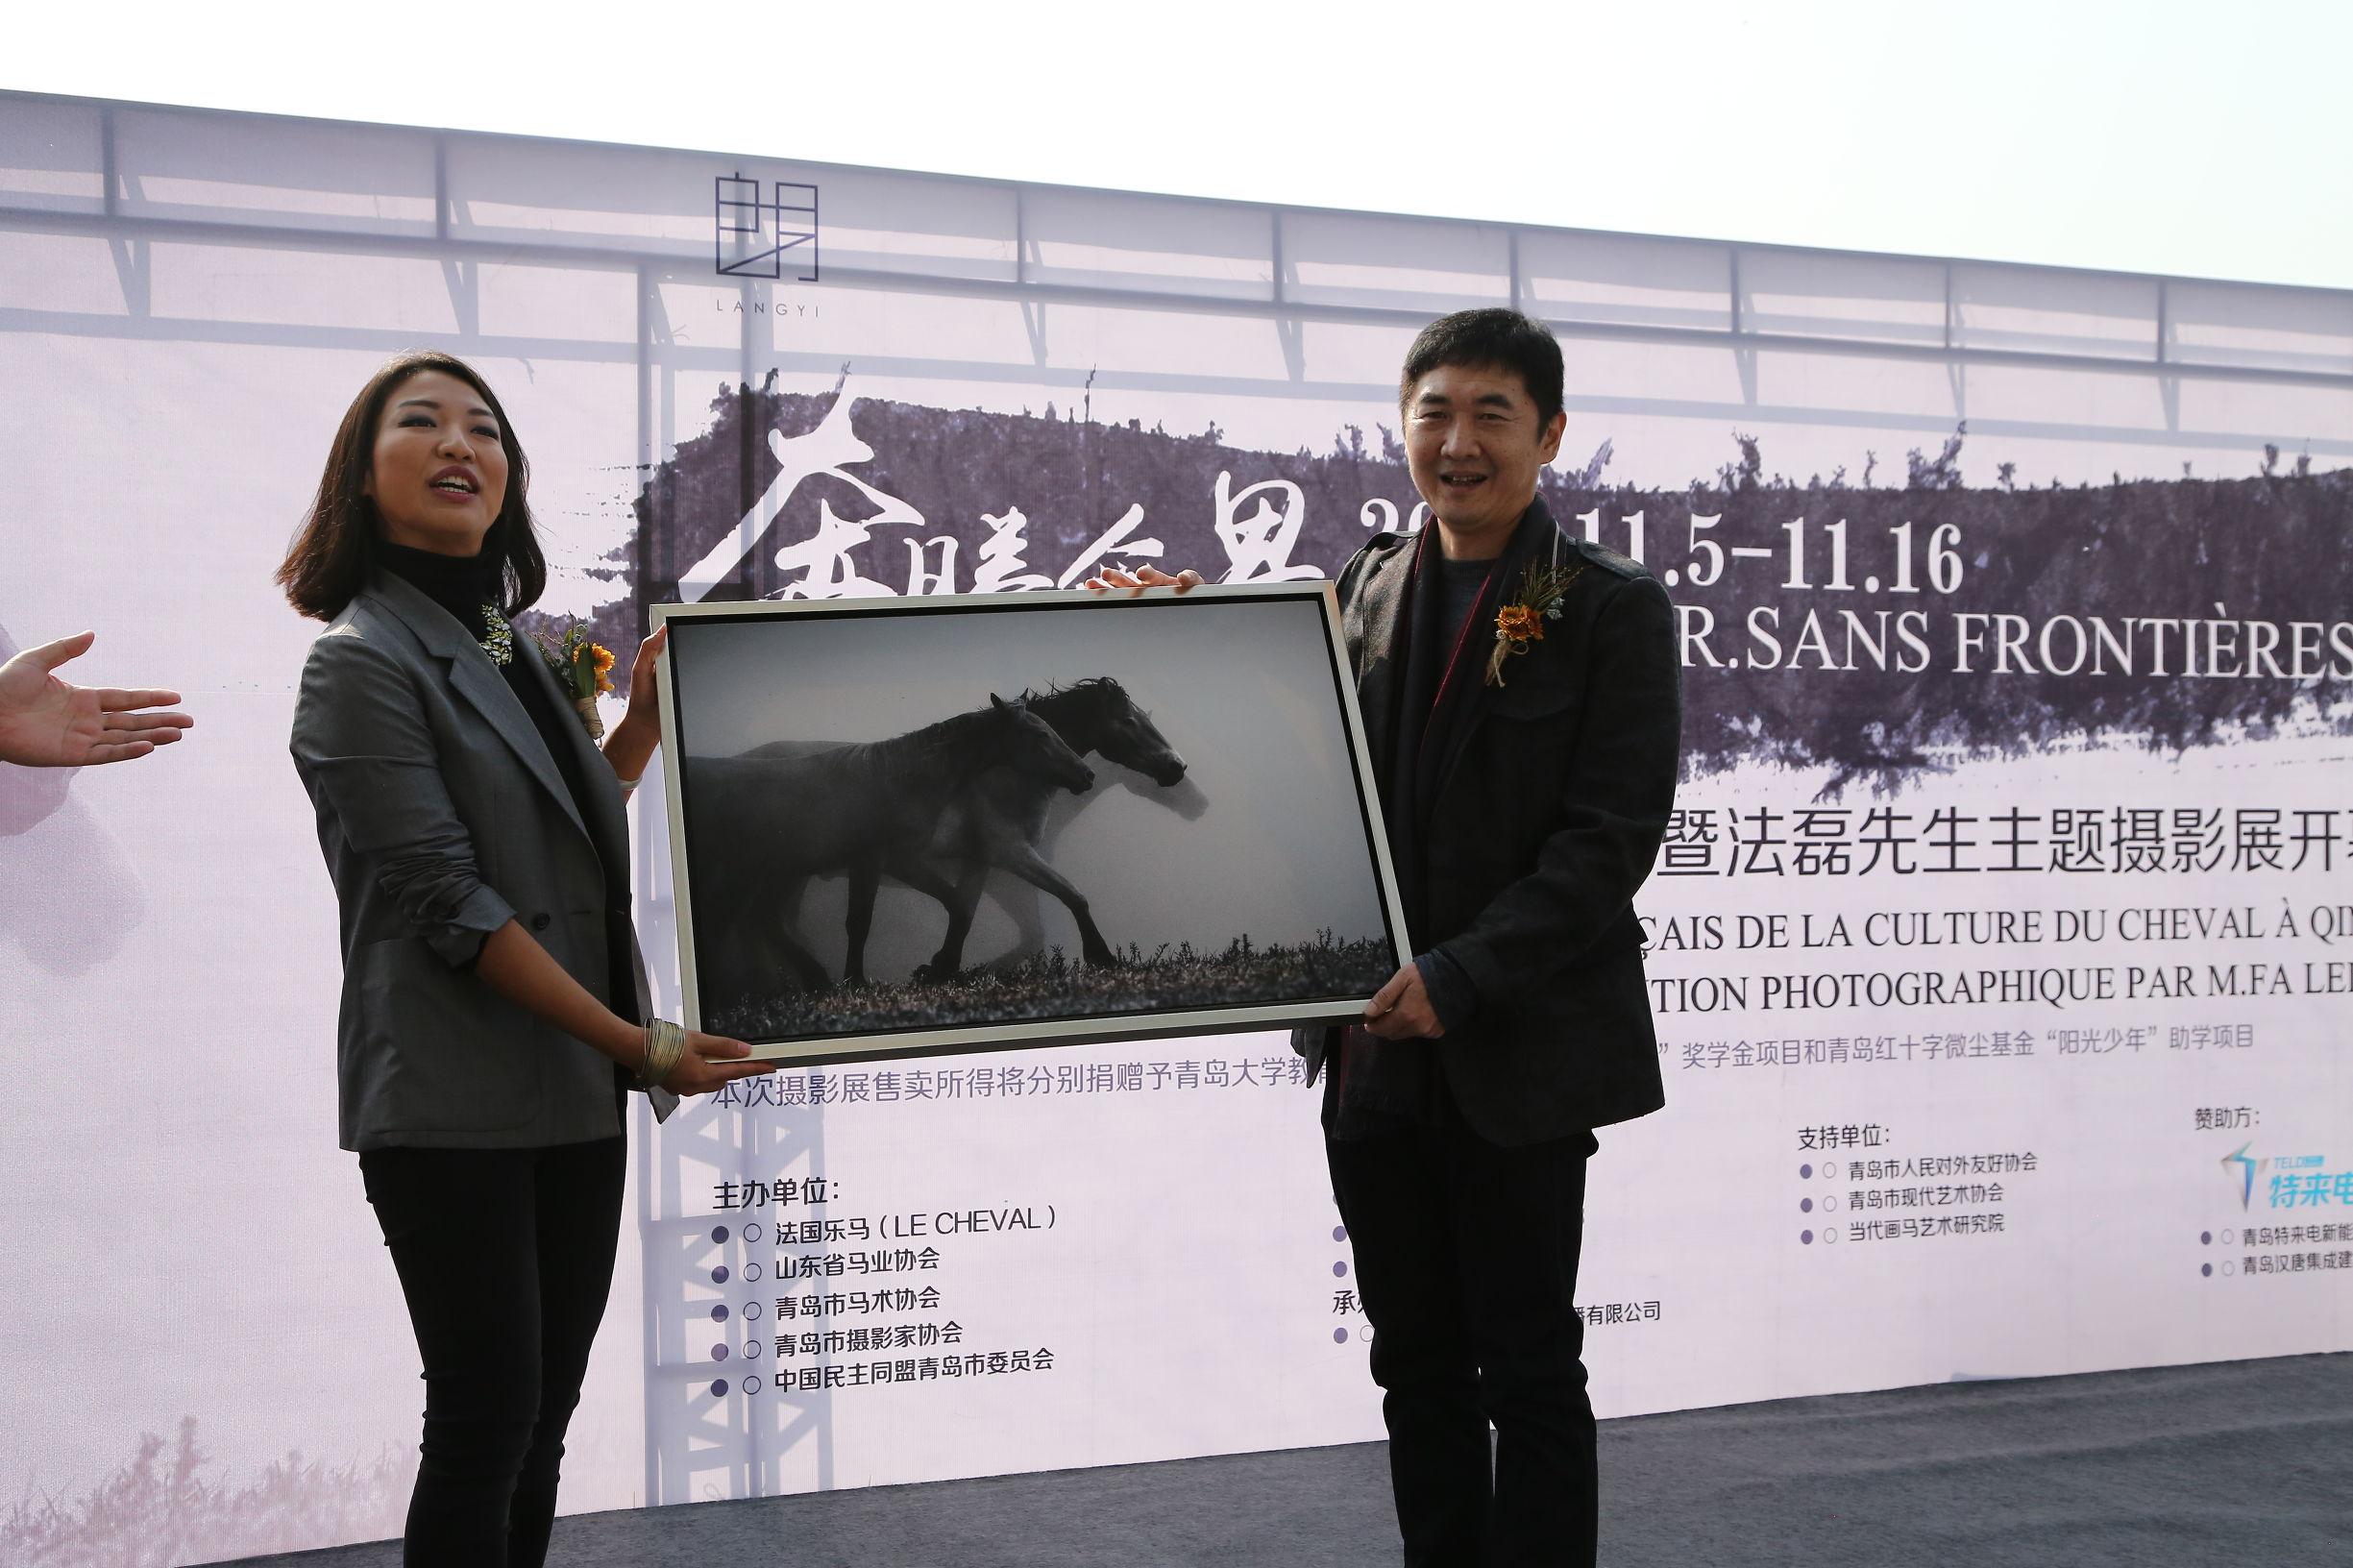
{"type": "Point", "coordinates": [997, 819]}
{"type": "Point", "coordinates": [763, 819]}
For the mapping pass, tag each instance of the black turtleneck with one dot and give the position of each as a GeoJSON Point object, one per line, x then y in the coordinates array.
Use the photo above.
{"type": "Point", "coordinates": [464, 585]}
{"type": "Point", "coordinates": [467, 586]}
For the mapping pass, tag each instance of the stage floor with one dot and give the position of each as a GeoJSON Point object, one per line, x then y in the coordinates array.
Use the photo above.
{"type": "Point", "coordinates": [2178, 1467]}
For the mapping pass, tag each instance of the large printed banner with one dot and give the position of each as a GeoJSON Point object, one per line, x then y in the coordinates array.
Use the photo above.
{"type": "Point", "coordinates": [2001, 946]}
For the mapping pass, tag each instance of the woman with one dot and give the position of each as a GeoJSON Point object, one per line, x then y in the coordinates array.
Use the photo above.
{"type": "Point", "coordinates": [492, 992]}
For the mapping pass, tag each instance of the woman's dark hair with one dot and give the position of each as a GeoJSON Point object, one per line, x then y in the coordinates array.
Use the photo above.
{"type": "Point", "coordinates": [336, 545]}
{"type": "Point", "coordinates": [1490, 338]}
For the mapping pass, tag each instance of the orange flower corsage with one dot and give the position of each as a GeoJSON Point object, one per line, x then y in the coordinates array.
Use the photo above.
{"type": "Point", "coordinates": [582, 668]}
{"type": "Point", "coordinates": [1521, 619]}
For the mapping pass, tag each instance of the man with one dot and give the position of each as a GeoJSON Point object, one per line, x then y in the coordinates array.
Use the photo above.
{"type": "Point", "coordinates": [1526, 781]}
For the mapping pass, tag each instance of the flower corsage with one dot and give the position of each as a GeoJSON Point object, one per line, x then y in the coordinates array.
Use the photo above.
{"type": "Point", "coordinates": [582, 668]}
{"type": "Point", "coordinates": [1521, 619]}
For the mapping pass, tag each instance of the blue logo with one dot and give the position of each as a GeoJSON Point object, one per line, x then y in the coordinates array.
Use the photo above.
{"type": "Point", "coordinates": [2246, 1172]}
{"type": "Point", "coordinates": [750, 231]}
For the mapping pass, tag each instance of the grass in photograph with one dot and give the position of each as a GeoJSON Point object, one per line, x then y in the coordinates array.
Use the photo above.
{"type": "Point", "coordinates": [1049, 985]}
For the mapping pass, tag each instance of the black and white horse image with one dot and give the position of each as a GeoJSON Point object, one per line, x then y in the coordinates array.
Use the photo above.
{"type": "Point", "coordinates": [763, 821]}
{"type": "Point", "coordinates": [998, 818]}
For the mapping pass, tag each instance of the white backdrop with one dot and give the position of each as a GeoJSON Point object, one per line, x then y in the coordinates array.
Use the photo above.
{"type": "Point", "coordinates": [187, 301]}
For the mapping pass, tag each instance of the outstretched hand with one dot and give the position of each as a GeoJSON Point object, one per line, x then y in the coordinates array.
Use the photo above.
{"type": "Point", "coordinates": [49, 722]}
{"type": "Point", "coordinates": [1143, 577]}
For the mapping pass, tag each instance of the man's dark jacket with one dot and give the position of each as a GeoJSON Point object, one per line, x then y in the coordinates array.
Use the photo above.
{"type": "Point", "coordinates": [1547, 804]}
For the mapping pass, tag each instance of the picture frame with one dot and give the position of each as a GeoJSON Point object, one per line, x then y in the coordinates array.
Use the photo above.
{"type": "Point", "coordinates": [960, 823]}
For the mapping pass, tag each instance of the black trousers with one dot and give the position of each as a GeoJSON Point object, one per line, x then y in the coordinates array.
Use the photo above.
{"type": "Point", "coordinates": [506, 1257]}
{"type": "Point", "coordinates": [1466, 1263]}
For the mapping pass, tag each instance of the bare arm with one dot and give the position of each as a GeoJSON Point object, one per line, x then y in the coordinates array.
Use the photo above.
{"type": "Point", "coordinates": [631, 746]}
{"type": "Point", "coordinates": [514, 965]}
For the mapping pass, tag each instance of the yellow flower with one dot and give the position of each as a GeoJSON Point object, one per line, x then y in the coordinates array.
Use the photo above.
{"type": "Point", "coordinates": [1520, 623]}
{"type": "Point", "coordinates": [605, 657]}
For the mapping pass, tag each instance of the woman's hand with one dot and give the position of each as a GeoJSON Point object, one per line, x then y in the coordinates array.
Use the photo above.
{"type": "Point", "coordinates": [711, 1060]}
{"type": "Point", "coordinates": [631, 744]}
{"type": "Point", "coordinates": [645, 691]}
{"type": "Point", "coordinates": [1143, 577]}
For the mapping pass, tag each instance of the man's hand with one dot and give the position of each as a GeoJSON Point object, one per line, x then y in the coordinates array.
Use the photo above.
{"type": "Point", "coordinates": [48, 722]}
{"type": "Point", "coordinates": [1143, 577]}
{"type": "Point", "coordinates": [1401, 1010]}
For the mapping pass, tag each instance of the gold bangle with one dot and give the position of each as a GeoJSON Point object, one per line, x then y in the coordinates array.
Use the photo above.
{"type": "Point", "coordinates": [664, 1049]}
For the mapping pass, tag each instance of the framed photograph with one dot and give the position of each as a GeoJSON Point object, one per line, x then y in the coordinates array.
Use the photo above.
{"type": "Point", "coordinates": [979, 821]}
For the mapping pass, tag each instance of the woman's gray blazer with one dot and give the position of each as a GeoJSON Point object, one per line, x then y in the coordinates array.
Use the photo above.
{"type": "Point", "coordinates": [442, 815]}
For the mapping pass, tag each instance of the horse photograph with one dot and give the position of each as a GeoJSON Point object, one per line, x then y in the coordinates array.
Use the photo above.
{"type": "Point", "coordinates": [1017, 820]}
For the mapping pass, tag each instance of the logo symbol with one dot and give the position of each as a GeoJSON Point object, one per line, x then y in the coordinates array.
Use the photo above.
{"type": "Point", "coordinates": [2246, 1174]}
{"type": "Point", "coordinates": [749, 234]}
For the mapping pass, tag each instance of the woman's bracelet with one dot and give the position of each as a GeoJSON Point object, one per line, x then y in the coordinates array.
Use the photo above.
{"type": "Point", "coordinates": [664, 1049]}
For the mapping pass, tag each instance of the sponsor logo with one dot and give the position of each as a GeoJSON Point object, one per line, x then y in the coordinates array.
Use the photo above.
{"type": "Point", "coordinates": [2289, 1180]}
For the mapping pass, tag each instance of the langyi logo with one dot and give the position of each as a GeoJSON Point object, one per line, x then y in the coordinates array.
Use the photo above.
{"type": "Point", "coordinates": [752, 227]}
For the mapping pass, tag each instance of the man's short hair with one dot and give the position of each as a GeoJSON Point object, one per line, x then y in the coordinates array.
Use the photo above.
{"type": "Point", "coordinates": [1492, 337]}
